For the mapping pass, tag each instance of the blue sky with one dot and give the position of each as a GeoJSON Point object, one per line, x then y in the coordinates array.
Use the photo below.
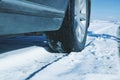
{"type": "Point", "coordinates": [105, 8]}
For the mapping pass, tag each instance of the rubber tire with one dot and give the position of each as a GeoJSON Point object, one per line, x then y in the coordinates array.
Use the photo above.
{"type": "Point", "coordinates": [64, 40]}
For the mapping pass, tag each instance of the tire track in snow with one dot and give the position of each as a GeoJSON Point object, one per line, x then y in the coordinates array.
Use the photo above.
{"type": "Point", "coordinates": [118, 33]}
{"type": "Point", "coordinates": [45, 66]}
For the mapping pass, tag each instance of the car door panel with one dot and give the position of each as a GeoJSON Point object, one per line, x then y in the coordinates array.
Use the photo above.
{"type": "Point", "coordinates": [23, 16]}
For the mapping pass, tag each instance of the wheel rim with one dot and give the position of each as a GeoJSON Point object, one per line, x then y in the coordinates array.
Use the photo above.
{"type": "Point", "coordinates": [80, 19]}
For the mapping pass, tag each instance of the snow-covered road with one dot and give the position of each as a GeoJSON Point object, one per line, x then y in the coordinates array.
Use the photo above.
{"type": "Point", "coordinates": [28, 58]}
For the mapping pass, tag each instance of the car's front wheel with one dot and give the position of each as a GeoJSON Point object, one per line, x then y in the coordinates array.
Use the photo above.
{"type": "Point", "coordinates": [73, 32]}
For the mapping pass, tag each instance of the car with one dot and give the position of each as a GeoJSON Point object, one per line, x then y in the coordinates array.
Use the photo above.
{"type": "Point", "coordinates": [64, 22]}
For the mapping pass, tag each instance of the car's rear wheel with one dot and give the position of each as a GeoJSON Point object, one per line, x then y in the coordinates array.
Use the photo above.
{"type": "Point", "coordinates": [72, 34]}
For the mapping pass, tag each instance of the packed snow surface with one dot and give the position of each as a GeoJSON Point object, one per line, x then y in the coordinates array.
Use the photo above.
{"type": "Point", "coordinates": [29, 58]}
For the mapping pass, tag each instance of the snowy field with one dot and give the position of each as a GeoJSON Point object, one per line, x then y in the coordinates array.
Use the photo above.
{"type": "Point", "coordinates": [29, 58]}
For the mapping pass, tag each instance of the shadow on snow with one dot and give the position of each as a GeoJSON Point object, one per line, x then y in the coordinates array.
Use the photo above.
{"type": "Point", "coordinates": [14, 43]}
{"type": "Point", "coordinates": [105, 36]}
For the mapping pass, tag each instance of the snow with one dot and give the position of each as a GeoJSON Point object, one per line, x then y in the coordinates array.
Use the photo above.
{"type": "Point", "coordinates": [24, 61]}
{"type": "Point", "coordinates": [98, 61]}
{"type": "Point", "coordinates": [76, 66]}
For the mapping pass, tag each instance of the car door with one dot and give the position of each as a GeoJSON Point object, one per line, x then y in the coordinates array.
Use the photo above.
{"type": "Point", "coordinates": [24, 16]}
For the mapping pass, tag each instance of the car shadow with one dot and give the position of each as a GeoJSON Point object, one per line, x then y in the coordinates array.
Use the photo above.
{"type": "Point", "coordinates": [105, 36]}
{"type": "Point", "coordinates": [19, 42]}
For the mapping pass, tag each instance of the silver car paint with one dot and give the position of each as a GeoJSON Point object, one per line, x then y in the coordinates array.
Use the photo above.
{"type": "Point", "coordinates": [24, 16]}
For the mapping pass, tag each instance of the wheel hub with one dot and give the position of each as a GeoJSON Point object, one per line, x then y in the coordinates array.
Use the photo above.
{"type": "Point", "coordinates": [80, 19]}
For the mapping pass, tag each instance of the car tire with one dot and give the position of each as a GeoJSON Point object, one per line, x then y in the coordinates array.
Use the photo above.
{"type": "Point", "coordinates": [72, 34]}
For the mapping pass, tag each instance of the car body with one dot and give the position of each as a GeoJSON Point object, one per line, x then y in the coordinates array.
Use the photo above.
{"type": "Point", "coordinates": [64, 22]}
{"type": "Point", "coordinates": [24, 16]}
